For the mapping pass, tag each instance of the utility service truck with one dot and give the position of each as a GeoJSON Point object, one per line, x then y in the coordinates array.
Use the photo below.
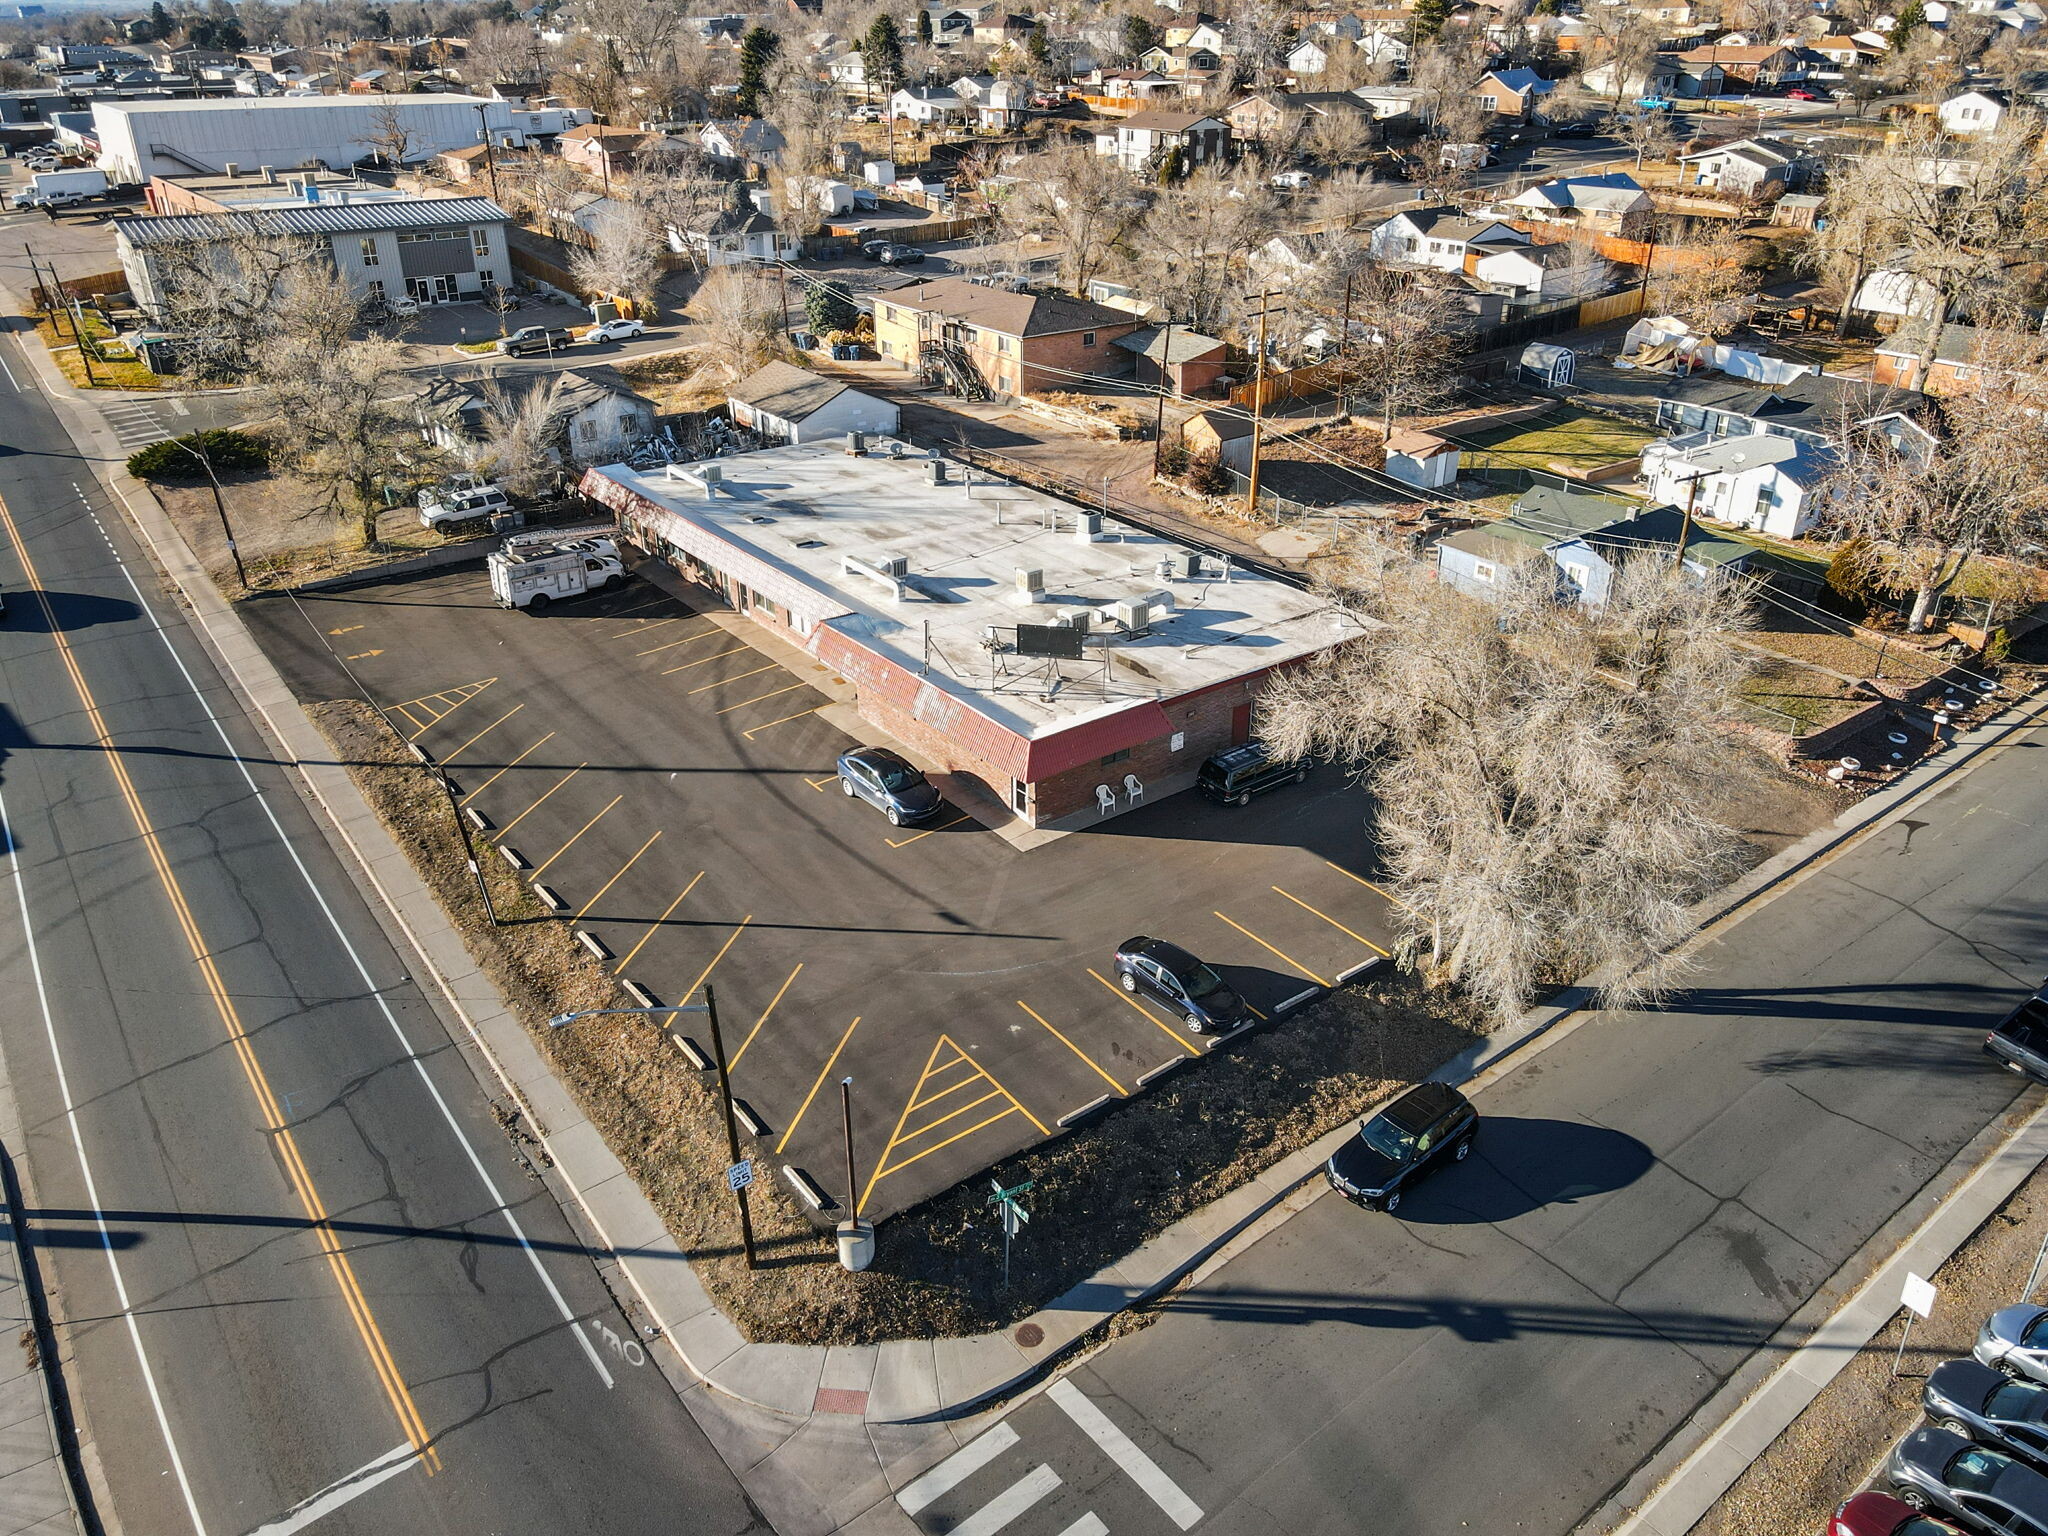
{"type": "Point", "coordinates": [532, 570]}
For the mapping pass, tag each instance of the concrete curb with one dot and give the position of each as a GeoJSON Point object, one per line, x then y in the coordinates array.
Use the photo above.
{"type": "Point", "coordinates": [43, 1485]}
{"type": "Point", "coordinates": [911, 1381]}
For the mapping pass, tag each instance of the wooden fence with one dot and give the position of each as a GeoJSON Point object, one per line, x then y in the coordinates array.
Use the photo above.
{"type": "Point", "coordinates": [97, 285]}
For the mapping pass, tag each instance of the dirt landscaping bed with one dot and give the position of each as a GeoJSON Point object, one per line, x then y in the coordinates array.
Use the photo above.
{"type": "Point", "coordinates": [1100, 1191]}
{"type": "Point", "coordinates": [1853, 655]}
{"type": "Point", "coordinates": [1826, 1454]}
{"type": "Point", "coordinates": [285, 535]}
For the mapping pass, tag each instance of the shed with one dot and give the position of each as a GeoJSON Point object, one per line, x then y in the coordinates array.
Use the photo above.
{"type": "Point", "coordinates": [1548, 365]}
{"type": "Point", "coordinates": [1223, 433]}
{"type": "Point", "coordinates": [1421, 458]}
{"type": "Point", "coordinates": [789, 404]}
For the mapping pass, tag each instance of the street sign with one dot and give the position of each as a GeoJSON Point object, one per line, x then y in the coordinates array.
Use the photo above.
{"type": "Point", "coordinates": [1013, 1216]}
{"type": "Point", "coordinates": [740, 1174]}
{"type": "Point", "coordinates": [1917, 1295]}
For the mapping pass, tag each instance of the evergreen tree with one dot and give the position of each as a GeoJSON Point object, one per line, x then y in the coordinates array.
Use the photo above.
{"type": "Point", "coordinates": [830, 307]}
{"type": "Point", "coordinates": [160, 27]}
{"type": "Point", "coordinates": [1140, 36]}
{"type": "Point", "coordinates": [757, 51]}
{"type": "Point", "coordinates": [924, 25]}
{"type": "Point", "coordinates": [1038, 48]}
{"type": "Point", "coordinates": [381, 20]}
{"type": "Point", "coordinates": [882, 50]}
{"type": "Point", "coordinates": [1911, 19]}
{"type": "Point", "coordinates": [1430, 16]}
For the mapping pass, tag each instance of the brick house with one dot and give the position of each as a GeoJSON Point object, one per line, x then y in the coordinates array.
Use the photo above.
{"type": "Point", "coordinates": [1958, 361]}
{"type": "Point", "coordinates": [1015, 342]}
{"type": "Point", "coordinates": [1759, 64]}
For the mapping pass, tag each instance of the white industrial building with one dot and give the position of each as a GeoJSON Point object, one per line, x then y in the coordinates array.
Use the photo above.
{"type": "Point", "coordinates": [141, 139]}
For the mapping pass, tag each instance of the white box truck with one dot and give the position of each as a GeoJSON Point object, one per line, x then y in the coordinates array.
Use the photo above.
{"type": "Point", "coordinates": [535, 569]}
{"type": "Point", "coordinates": [60, 189]}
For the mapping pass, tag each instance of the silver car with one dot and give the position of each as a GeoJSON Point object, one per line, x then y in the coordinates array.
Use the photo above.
{"type": "Point", "coordinates": [2015, 1340]}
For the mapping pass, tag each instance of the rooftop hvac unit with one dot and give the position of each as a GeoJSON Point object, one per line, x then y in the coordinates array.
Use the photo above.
{"type": "Point", "coordinates": [1030, 585]}
{"type": "Point", "coordinates": [711, 474]}
{"type": "Point", "coordinates": [892, 565]}
{"type": "Point", "coordinates": [1087, 527]}
{"type": "Point", "coordinates": [1187, 565]}
{"type": "Point", "coordinates": [1133, 614]}
{"type": "Point", "coordinates": [935, 471]}
{"type": "Point", "coordinates": [856, 445]}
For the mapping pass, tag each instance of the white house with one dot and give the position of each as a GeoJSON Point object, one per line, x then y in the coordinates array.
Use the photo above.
{"type": "Point", "coordinates": [1890, 291]}
{"type": "Point", "coordinates": [1438, 237]}
{"type": "Point", "coordinates": [1609, 204]}
{"type": "Point", "coordinates": [593, 417]}
{"type": "Point", "coordinates": [1200, 140]}
{"type": "Point", "coordinates": [788, 404]}
{"type": "Point", "coordinates": [1583, 540]}
{"type": "Point", "coordinates": [1388, 102]}
{"type": "Point", "coordinates": [750, 139]}
{"type": "Point", "coordinates": [1557, 271]}
{"type": "Point", "coordinates": [737, 238]}
{"type": "Point", "coordinates": [927, 104]}
{"type": "Point", "coordinates": [1968, 113]}
{"type": "Point", "coordinates": [1748, 167]}
{"type": "Point", "coordinates": [1310, 56]}
{"type": "Point", "coordinates": [1762, 481]}
{"type": "Point", "coordinates": [1421, 458]}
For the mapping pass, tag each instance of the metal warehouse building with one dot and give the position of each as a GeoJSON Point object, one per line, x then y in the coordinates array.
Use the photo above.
{"type": "Point", "coordinates": [1073, 665]}
{"type": "Point", "coordinates": [142, 139]}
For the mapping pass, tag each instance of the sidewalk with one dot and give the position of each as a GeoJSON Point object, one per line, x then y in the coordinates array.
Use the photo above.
{"type": "Point", "coordinates": [35, 1486]}
{"type": "Point", "coordinates": [798, 1420]}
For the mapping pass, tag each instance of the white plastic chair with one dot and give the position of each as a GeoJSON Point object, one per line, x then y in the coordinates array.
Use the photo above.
{"type": "Point", "coordinates": [1133, 788]}
{"type": "Point", "coordinates": [1105, 799]}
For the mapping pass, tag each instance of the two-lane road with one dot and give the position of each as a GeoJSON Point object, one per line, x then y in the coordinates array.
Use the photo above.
{"type": "Point", "coordinates": [307, 1282]}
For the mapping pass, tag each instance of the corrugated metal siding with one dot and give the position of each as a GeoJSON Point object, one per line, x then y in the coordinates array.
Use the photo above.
{"type": "Point", "coordinates": [328, 219]}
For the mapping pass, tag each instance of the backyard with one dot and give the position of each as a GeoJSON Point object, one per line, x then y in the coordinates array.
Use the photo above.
{"type": "Point", "coordinates": [1563, 442]}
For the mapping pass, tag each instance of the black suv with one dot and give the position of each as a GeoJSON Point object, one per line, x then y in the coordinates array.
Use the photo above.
{"type": "Point", "coordinates": [2020, 1043]}
{"type": "Point", "coordinates": [1235, 774]}
{"type": "Point", "coordinates": [1429, 1125]}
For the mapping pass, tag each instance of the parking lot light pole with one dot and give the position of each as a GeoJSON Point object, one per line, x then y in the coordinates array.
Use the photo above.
{"type": "Point", "coordinates": [709, 1008]}
{"type": "Point", "coordinates": [856, 1237]}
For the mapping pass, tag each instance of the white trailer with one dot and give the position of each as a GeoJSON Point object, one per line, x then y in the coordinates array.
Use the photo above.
{"type": "Point", "coordinates": [60, 189]}
{"type": "Point", "coordinates": [535, 569]}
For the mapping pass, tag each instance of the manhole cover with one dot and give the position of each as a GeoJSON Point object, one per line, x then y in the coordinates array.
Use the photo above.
{"type": "Point", "coordinates": [1030, 1335]}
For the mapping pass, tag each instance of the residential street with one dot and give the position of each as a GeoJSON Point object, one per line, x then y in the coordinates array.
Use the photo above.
{"type": "Point", "coordinates": [1651, 1197]}
{"type": "Point", "coordinates": [317, 1271]}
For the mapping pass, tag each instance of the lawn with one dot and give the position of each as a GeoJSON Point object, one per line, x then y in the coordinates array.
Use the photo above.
{"type": "Point", "coordinates": [1564, 442]}
{"type": "Point", "coordinates": [114, 365]}
{"type": "Point", "coordinates": [1786, 696]}
{"type": "Point", "coordinates": [1850, 655]}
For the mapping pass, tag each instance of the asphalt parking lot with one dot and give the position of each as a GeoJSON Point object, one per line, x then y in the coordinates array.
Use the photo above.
{"type": "Point", "coordinates": [654, 762]}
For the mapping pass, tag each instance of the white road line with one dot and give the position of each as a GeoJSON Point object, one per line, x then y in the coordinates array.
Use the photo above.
{"type": "Point", "coordinates": [92, 1193]}
{"type": "Point", "coordinates": [370, 986]}
{"type": "Point", "coordinates": [177, 405]}
{"type": "Point", "coordinates": [1140, 1468]}
{"type": "Point", "coordinates": [1010, 1503]}
{"type": "Point", "coordinates": [341, 1491]}
{"type": "Point", "coordinates": [11, 384]}
{"type": "Point", "coordinates": [956, 1468]}
{"type": "Point", "coordinates": [1089, 1524]}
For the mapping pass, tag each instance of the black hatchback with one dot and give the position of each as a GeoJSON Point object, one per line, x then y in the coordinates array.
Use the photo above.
{"type": "Point", "coordinates": [1190, 988]}
{"type": "Point", "coordinates": [1237, 773]}
{"type": "Point", "coordinates": [1429, 1125]}
{"type": "Point", "coordinates": [2020, 1043]}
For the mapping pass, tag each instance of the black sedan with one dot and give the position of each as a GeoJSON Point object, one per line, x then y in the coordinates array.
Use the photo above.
{"type": "Point", "coordinates": [1983, 1405]}
{"type": "Point", "coordinates": [1428, 1126]}
{"type": "Point", "coordinates": [1936, 1470]}
{"type": "Point", "coordinates": [2020, 1043]}
{"type": "Point", "coordinates": [1578, 130]}
{"type": "Point", "coordinates": [888, 782]}
{"type": "Point", "coordinates": [1193, 990]}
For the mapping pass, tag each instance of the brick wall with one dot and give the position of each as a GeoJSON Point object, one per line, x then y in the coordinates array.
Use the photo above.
{"type": "Point", "coordinates": [1068, 351]}
{"type": "Point", "coordinates": [1206, 723]}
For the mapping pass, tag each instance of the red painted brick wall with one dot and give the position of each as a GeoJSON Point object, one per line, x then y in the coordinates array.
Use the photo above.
{"type": "Point", "coordinates": [1042, 352]}
{"type": "Point", "coordinates": [1205, 723]}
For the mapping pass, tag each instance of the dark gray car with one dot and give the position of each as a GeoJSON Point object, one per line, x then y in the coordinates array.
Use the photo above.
{"type": "Point", "coordinates": [1988, 1490]}
{"type": "Point", "coordinates": [1986, 1406]}
{"type": "Point", "coordinates": [1190, 988]}
{"type": "Point", "coordinates": [2020, 1042]}
{"type": "Point", "coordinates": [890, 783]}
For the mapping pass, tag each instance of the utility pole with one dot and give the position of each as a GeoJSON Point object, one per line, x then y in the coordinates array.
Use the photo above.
{"type": "Point", "coordinates": [220, 509]}
{"type": "Point", "coordinates": [1251, 494]}
{"type": "Point", "coordinates": [483, 133]}
{"type": "Point", "coordinates": [1692, 491]}
{"type": "Point", "coordinates": [476, 870]}
{"type": "Point", "coordinates": [1344, 348]}
{"type": "Point", "coordinates": [856, 1237]}
{"type": "Point", "coordinates": [1165, 383]}
{"type": "Point", "coordinates": [732, 1130]}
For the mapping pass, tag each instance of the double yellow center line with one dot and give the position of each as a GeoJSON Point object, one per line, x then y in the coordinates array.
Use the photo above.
{"type": "Point", "coordinates": [274, 1121]}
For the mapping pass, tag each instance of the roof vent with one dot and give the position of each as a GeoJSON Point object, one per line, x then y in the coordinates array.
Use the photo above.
{"type": "Point", "coordinates": [231, 169]}
{"type": "Point", "coordinates": [1030, 585]}
{"type": "Point", "coordinates": [1087, 527]}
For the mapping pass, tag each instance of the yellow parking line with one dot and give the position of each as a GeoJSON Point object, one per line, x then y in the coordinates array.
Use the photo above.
{"type": "Point", "coordinates": [760, 697]}
{"type": "Point", "coordinates": [721, 682]}
{"type": "Point", "coordinates": [736, 1055]}
{"type": "Point", "coordinates": [625, 613]}
{"type": "Point", "coordinates": [522, 757]}
{"type": "Point", "coordinates": [955, 1114]}
{"type": "Point", "coordinates": [400, 709]}
{"type": "Point", "coordinates": [927, 832]}
{"type": "Point", "coordinates": [705, 974]}
{"type": "Point", "coordinates": [819, 784]}
{"type": "Point", "coordinates": [1397, 901]}
{"type": "Point", "coordinates": [615, 878]}
{"type": "Point", "coordinates": [701, 660]}
{"type": "Point", "coordinates": [1063, 1040]}
{"type": "Point", "coordinates": [1240, 927]}
{"type": "Point", "coordinates": [600, 816]}
{"type": "Point", "coordinates": [933, 1098]}
{"type": "Point", "coordinates": [823, 1073]}
{"type": "Point", "coordinates": [754, 731]}
{"type": "Point", "coordinates": [1368, 943]}
{"type": "Point", "coordinates": [644, 627]}
{"type": "Point", "coordinates": [655, 926]}
{"type": "Point", "coordinates": [565, 778]}
{"type": "Point", "coordinates": [940, 1146]}
{"type": "Point", "coordinates": [480, 735]}
{"type": "Point", "coordinates": [672, 644]}
{"type": "Point", "coordinates": [1173, 1034]}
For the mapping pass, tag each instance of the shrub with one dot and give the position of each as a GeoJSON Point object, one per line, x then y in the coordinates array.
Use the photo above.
{"type": "Point", "coordinates": [1173, 460]}
{"type": "Point", "coordinates": [177, 458]}
{"type": "Point", "coordinates": [1208, 475]}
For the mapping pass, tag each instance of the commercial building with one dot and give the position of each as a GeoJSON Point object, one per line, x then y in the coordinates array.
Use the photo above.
{"type": "Point", "coordinates": [431, 249]}
{"type": "Point", "coordinates": [1072, 665]}
{"type": "Point", "coordinates": [142, 139]}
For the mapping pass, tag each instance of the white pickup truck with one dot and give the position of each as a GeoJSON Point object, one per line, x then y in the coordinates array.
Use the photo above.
{"type": "Point", "coordinates": [60, 189]}
{"type": "Point", "coordinates": [535, 569]}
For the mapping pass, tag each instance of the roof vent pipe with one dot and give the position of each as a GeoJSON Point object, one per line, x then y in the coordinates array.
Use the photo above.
{"type": "Point", "coordinates": [856, 445]}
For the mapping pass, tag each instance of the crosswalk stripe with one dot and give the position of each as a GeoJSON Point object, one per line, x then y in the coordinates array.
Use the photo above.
{"type": "Point", "coordinates": [1140, 1468]}
{"type": "Point", "coordinates": [1010, 1503]}
{"type": "Point", "coordinates": [1089, 1524]}
{"type": "Point", "coordinates": [956, 1469]}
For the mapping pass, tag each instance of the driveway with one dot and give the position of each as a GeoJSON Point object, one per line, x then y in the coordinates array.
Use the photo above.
{"type": "Point", "coordinates": [668, 769]}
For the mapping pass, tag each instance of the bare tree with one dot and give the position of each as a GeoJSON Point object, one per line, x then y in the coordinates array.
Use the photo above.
{"type": "Point", "coordinates": [1406, 349]}
{"type": "Point", "coordinates": [510, 52]}
{"type": "Point", "coordinates": [1080, 200]}
{"type": "Point", "coordinates": [390, 137]}
{"type": "Point", "coordinates": [1647, 134]}
{"type": "Point", "coordinates": [1978, 491]}
{"type": "Point", "coordinates": [520, 428]}
{"type": "Point", "coordinates": [1537, 815]}
{"type": "Point", "coordinates": [1338, 137]}
{"type": "Point", "coordinates": [345, 423]}
{"type": "Point", "coordinates": [235, 285]}
{"type": "Point", "coordinates": [548, 188]}
{"type": "Point", "coordinates": [674, 183]}
{"type": "Point", "coordinates": [739, 316]}
{"type": "Point", "coordinates": [1347, 197]}
{"type": "Point", "coordinates": [621, 262]}
{"type": "Point", "coordinates": [1194, 239]}
{"type": "Point", "coordinates": [1708, 285]}
{"type": "Point", "coordinates": [642, 31]}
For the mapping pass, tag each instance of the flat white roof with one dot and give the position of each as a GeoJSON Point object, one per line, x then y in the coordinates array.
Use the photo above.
{"type": "Point", "coordinates": [800, 512]}
{"type": "Point", "coordinates": [299, 103]}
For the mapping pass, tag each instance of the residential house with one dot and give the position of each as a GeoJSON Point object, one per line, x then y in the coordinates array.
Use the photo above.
{"type": "Point", "coordinates": [750, 141]}
{"type": "Point", "coordinates": [737, 237]}
{"type": "Point", "coordinates": [1130, 84]}
{"type": "Point", "coordinates": [1278, 115]}
{"type": "Point", "coordinates": [1197, 139]}
{"type": "Point", "coordinates": [1289, 255]}
{"type": "Point", "coordinates": [1441, 237]}
{"type": "Point", "coordinates": [1533, 273]}
{"type": "Point", "coordinates": [788, 404]}
{"type": "Point", "coordinates": [1811, 406]}
{"type": "Point", "coordinates": [603, 152]}
{"type": "Point", "coordinates": [1225, 434]}
{"type": "Point", "coordinates": [1763, 481]}
{"type": "Point", "coordinates": [1310, 56]}
{"type": "Point", "coordinates": [1511, 93]}
{"type": "Point", "coordinates": [1765, 64]}
{"type": "Point", "coordinates": [848, 71]}
{"type": "Point", "coordinates": [1421, 459]}
{"type": "Point", "coordinates": [1004, 30]}
{"type": "Point", "coordinates": [1968, 114]}
{"type": "Point", "coordinates": [998, 104]}
{"type": "Point", "coordinates": [1014, 342]}
{"type": "Point", "coordinates": [595, 416]}
{"type": "Point", "coordinates": [927, 104]}
{"type": "Point", "coordinates": [1388, 102]}
{"type": "Point", "coordinates": [1584, 539]}
{"type": "Point", "coordinates": [1959, 360]}
{"type": "Point", "coordinates": [1845, 52]}
{"type": "Point", "coordinates": [1201, 31]}
{"type": "Point", "coordinates": [1345, 24]}
{"type": "Point", "coordinates": [1750, 168]}
{"type": "Point", "coordinates": [1659, 77]}
{"type": "Point", "coordinates": [1611, 204]}
{"type": "Point", "coordinates": [464, 164]}
{"type": "Point", "coordinates": [1179, 62]}
{"type": "Point", "coordinates": [1184, 360]}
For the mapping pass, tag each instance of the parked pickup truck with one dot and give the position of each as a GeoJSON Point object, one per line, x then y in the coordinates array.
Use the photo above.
{"type": "Point", "coordinates": [60, 189]}
{"type": "Point", "coordinates": [536, 338]}
{"type": "Point", "coordinates": [535, 569]}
